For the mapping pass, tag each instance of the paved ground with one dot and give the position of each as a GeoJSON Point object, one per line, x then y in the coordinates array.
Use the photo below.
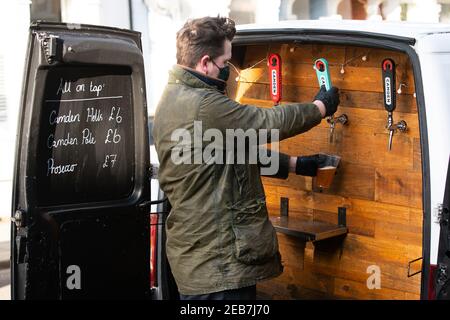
{"type": "Point", "coordinates": [4, 255]}
{"type": "Point", "coordinates": [5, 293]}
{"type": "Point", "coordinates": [4, 251]}
{"type": "Point", "coordinates": [4, 243]}
{"type": "Point", "coordinates": [5, 230]}
{"type": "Point", "coordinates": [5, 284]}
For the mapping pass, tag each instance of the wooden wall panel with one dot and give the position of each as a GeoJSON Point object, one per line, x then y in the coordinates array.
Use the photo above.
{"type": "Point", "coordinates": [352, 99]}
{"type": "Point", "coordinates": [381, 190]}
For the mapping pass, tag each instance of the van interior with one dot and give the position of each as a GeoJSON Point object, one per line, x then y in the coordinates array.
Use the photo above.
{"type": "Point", "coordinates": [361, 238]}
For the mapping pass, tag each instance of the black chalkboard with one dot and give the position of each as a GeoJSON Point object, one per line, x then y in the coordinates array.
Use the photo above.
{"type": "Point", "coordinates": [86, 135]}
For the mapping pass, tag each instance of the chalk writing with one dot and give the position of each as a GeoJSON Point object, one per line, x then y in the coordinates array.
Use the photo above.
{"type": "Point", "coordinates": [54, 118]}
{"type": "Point", "coordinates": [112, 136]}
{"type": "Point", "coordinates": [88, 137]}
{"type": "Point", "coordinates": [62, 142]}
{"type": "Point", "coordinates": [115, 115]}
{"type": "Point", "coordinates": [94, 115]}
{"type": "Point", "coordinates": [59, 169]}
{"type": "Point", "coordinates": [110, 159]}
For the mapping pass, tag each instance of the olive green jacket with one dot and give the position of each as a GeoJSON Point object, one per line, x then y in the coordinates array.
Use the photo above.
{"type": "Point", "coordinates": [219, 236]}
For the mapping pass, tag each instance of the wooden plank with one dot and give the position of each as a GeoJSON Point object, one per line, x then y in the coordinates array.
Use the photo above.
{"type": "Point", "coordinates": [362, 122]}
{"type": "Point", "coordinates": [321, 271]}
{"type": "Point", "coordinates": [306, 53]}
{"type": "Point", "coordinates": [355, 269]}
{"type": "Point", "coordinates": [355, 224]}
{"type": "Point", "coordinates": [406, 103]}
{"type": "Point", "coordinates": [352, 180]}
{"type": "Point", "coordinates": [354, 78]}
{"type": "Point", "coordinates": [374, 57]}
{"type": "Point", "coordinates": [381, 250]}
{"type": "Point", "coordinates": [300, 200]}
{"type": "Point", "coordinates": [293, 250]}
{"type": "Point", "coordinates": [403, 187]}
{"type": "Point", "coordinates": [274, 289]}
{"type": "Point", "coordinates": [293, 181]}
{"type": "Point", "coordinates": [337, 54]}
{"type": "Point", "coordinates": [345, 288]}
{"type": "Point", "coordinates": [417, 155]}
{"type": "Point", "coordinates": [294, 279]}
{"type": "Point", "coordinates": [370, 150]}
{"type": "Point", "coordinates": [345, 262]}
{"type": "Point", "coordinates": [307, 230]}
{"type": "Point", "coordinates": [402, 233]}
{"type": "Point", "coordinates": [348, 57]}
{"type": "Point", "coordinates": [374, 152]}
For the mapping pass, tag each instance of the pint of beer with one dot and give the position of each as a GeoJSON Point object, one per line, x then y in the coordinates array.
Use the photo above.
{"type": "Point", "coordinates": [325, 174]}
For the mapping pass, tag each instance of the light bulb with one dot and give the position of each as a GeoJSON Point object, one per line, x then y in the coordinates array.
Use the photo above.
{"type": "Point", "coordinates": [292, 49]}
{"type": "Point", "coordinates": [237, 79]}
{"type": "Point", "coordinates": [364, 58]}
{"type": "Point", "coordinates": [342, 69]}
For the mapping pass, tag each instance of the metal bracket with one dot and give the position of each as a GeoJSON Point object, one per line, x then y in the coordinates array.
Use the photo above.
{"type": "Point", "coordinates": [18, 218]}
{"type": "Point", "coordinates": [342, 216]}
{"type": "Point", "coordinates": [284, 207]}
{"type": "Point", "coordinates": [442, 274]}
{"type": "Point", "coordinates": [409, 267]}
{"type": "Point", "coordinates": [442, 214]}
{"type": "Point", "coordinates": [51, 46]}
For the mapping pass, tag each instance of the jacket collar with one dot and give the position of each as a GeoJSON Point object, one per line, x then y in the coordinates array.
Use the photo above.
{"type": "Point", "coordinates": [195, 79]}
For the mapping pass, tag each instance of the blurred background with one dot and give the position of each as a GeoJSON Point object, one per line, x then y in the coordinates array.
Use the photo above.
{"type": "Point", "coordinates": [158, 21]}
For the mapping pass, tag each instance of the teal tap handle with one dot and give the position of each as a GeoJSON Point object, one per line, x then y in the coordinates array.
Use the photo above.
{"type": "Point", "coordinates": [323, 76]}
{"type": "Point", "coordinates": [322, 72]}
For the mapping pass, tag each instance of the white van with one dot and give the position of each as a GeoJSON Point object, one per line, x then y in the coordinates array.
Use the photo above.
{"type": "Point", "coordinates": [81, 198]}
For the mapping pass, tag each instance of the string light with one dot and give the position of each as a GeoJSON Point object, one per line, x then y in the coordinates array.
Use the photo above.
{"type": "Point", "coordinates": [246, 69]}
{"type": "Point", "coordinates": [363, 58]}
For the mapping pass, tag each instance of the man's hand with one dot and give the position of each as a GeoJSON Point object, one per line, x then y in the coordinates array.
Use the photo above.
{"type": "Point", "coordinates": [308, 165]}
{"type": "Point", "coordinates": [330, 100]}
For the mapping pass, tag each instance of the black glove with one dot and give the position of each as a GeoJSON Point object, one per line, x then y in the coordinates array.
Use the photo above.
{"type": "Point", "coordinates": [329, 98]}
{"type": "Point", "coordinates": [308, 165]}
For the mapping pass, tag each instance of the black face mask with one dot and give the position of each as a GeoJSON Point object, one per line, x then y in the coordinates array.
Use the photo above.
{"type": "Point", "coordinates": [224, 73]}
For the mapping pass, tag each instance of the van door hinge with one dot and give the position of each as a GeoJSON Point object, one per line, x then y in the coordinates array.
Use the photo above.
{"type": "Point", "coordinates": [18, 218]}
{"type": "Point", "coordinates": [443, 214]}
{"type": "Point", "coordinates": [442, 274]}
{"type": "Point", "coordinates": [51, 46]}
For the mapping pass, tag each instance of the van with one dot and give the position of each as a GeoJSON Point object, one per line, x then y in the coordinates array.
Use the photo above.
{"type": "Point", "coordinates": [86, 226]}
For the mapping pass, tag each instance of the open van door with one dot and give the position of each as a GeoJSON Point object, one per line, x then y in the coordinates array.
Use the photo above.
{"type": "Point", "coordinates": [81, 196]}
{"type": "Point", "coordinates": [443, 269]}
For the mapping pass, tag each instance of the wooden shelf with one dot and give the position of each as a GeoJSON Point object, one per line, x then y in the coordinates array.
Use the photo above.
{"type": "Point", "coordinates": [307, 230]}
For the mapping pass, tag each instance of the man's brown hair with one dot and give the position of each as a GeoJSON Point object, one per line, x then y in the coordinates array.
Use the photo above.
{"type": "Point", "coordinates": [203, 36]}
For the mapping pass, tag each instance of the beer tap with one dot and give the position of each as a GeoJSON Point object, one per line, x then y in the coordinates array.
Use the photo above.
{"type": "Point", "coordinates": [388, 76]}
{"type": "Point", "coordinates": [323, 76]}
{"type": "Point", "coordinates": [343, 119]}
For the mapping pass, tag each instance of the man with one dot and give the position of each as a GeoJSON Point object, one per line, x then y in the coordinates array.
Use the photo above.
{"type": "Point", "coordinates": [220, 241]}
